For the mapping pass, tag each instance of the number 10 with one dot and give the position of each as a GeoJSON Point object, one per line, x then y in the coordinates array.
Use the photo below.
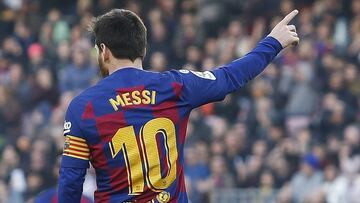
{"type": "Point", "coordinates": [125, 140]}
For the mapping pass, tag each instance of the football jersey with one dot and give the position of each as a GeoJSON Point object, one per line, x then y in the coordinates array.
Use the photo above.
{"type": "Point", "coordinates": [131, 125]}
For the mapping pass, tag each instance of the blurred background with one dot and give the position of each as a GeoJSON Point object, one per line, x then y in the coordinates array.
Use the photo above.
{"type": "Point", "coordinates": [290, 136]}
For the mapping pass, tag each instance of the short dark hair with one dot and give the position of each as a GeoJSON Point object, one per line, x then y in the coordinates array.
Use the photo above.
{"type": "Point", "coordinates": [122, 31]}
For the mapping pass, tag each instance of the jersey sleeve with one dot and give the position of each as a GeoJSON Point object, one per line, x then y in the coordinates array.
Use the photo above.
{"type": "Point", "coordinates": [71, 182]}
{"type": "Point", "coordinates": [76, 152]}
{"type": "Point", "coordinates": [199, 88]}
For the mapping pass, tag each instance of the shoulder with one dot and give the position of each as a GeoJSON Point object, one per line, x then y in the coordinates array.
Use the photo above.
{"type": "Point", "coordinates": [168, 76]}
{"type": "Point", "coordinates": [84, 97]}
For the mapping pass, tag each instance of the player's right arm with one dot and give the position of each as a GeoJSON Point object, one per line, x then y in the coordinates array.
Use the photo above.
{"type": "Point", "coordinates": [75, 159]}
{"type": "Point", "coordinates": [199, 88]}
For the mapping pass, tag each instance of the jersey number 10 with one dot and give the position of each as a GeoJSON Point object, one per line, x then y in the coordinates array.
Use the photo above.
{"type": "Point", "coordinates": [125, 140]}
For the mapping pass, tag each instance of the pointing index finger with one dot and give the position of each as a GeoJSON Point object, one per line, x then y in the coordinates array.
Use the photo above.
{"type": "Point", "coordinates": [289, 17]}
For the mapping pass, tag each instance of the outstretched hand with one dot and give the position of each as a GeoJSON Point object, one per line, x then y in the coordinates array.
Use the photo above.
{"type": "Point", "coordinates": [284, 33]}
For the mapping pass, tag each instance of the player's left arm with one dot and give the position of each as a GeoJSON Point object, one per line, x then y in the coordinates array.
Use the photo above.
{"type": "Point", "coordinates": [209, 86]}
{"type": "Point", "coordinates": [75, 159]}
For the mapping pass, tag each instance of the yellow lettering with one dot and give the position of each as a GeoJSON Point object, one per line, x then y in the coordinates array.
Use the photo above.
{"type": "Point", "coordinates": [136, 99]}
{"type": "Point", "coordinates": [116, 103]}
{"type": "Point", "coordinates": [153, 97]}
{"type": "Point", "coordinates": [146, 97]}
{"type": "Point", "coordinates": [126, 98]}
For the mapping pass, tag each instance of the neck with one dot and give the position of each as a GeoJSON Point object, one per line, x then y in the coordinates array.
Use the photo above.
{"type": "Point", "coordinates": [124, 63]}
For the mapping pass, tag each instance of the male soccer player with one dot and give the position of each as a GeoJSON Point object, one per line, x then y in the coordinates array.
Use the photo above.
{"type": "Point", "coordinates": [131, 125]}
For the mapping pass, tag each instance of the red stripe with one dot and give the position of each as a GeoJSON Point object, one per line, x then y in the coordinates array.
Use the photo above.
{"type": "Point", "coordinates": [76, 145]}
{"type": "Point", "coordinates": [79, 150]}
{"type": "Point", "coordinates": [54, 198]}
{"type": "Point", "coordinates": [76, 154]}
{"type": "Point", "coordinates": [79, 139]}
{"type": "Point", "coordinates": [73, 140]}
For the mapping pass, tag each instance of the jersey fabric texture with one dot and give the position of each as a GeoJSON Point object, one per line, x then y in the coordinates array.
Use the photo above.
{"type": "Point", "coordinates": [131, 127]}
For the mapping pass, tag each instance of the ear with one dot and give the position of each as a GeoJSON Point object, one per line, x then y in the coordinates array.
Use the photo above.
{"type": "Point", "coordinates": [105, 52]}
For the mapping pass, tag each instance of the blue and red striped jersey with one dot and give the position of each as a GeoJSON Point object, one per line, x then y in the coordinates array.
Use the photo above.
{"type": "Point", "coordinates": [131, 127]}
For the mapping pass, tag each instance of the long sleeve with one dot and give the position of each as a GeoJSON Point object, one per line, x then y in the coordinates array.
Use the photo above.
{"type": "Point", "coordinates": [199, 88]}
{"type": "Point", "coordinates": [75, 158]}
{"type": "Point", "coordinates": [71, 182]}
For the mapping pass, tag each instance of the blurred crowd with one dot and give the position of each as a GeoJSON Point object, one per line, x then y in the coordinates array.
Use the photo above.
{"type": "Point", "coordinates": [294, 129]}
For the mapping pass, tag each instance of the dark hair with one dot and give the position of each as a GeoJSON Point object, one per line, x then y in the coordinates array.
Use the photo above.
{"type": "Point", "coordinates": [122, 31]}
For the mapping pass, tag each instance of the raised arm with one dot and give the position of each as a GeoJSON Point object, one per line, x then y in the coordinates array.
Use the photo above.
{"type": "Point", "coordinates": [204, 87]}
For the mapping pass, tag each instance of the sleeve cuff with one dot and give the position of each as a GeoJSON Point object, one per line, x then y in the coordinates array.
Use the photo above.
{"type": "Point", "coordinates": [273, 42]}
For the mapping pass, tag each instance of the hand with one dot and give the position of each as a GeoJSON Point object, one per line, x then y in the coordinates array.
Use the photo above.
{"type": "Point", "coordinates": [284, 33]}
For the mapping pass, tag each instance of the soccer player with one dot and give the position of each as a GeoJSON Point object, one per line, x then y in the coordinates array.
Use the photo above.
{"type": "Point", "coordinates": [131, 125]}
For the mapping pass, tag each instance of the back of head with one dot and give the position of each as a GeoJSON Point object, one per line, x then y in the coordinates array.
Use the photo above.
{"type": "Point", "coordinates": [123, 32]}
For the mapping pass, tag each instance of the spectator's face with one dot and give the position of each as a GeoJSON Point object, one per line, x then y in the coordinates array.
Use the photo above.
{"type": "Point", "coordinates": [255, 164]}
{"type": "Point", "coordinates": [202, 152]}
{"type": "Point", "coordinates": [336, 81]}
{"type": "Point", "coordinates": [275, 133]}
{"type": "Point", "coordinates": [187, 20]}
{"type": "Point", "coordinates": [280, 166]}
{"type": "Point", "coordinates": [286, 6]}
{"type": "Point", "coordinates": [16, 73]}
{"type": "Point", "coordinates": [39, 151]}
{"type": "Point", "coordinates": [328, 61]}
{"type": "Point", "coordinates": [21, 30]}
{"type": "Point", "coordinates": [259, 148]}
{"type": "Point", "coordinates": [10, 157]}
{"type": "Point", "coordinates": [306, 50]}
{"type": "Point", "coordinates": [12, 46]}
{"type": "Point", "coordinates": [306, 169]}
{"type": "Point", "coordinates": [234, 29]}
{"type": "Point", "coordinates": [63, 50]}
{"type": "Point", "coordinates": [43, 78]}
{"type": "Point", "coordinates": [208, 64]}
{"type": "Point", "coordinates": [53, 15]}
{"type": "Point", "coordinates": [337, 116]}
{"type": "Point", "coordinates": [351, 73]}
{"type": "Point", "coordinates": [167, 5]}
{"type": "Point", "coordinates": [355, 6]}
{"type": "Point", "coordinates": [333, 144]}
{"type": "Point", "coordinates": [323, 31]}
{"type": "Point", "coordinates": [329, 101]}
{"type": "Point", "coordinates": [158, 61]}
{"type": "Point", "coordinates": [352, 136]}
{"type": "Point", "coordinates": [211, 47]}
{"type": "Point", "coordinates": [193, 55]}
{"type": "Point", "coordinates": [232, 141]}
{"type": "Point", "coordinates": [330, 173]}
{"type": "Point", "coordinates": [219, 126]}
{"type": "Point", "coordinates": [79, 58]}
{"type": "Point", "coordinates": [218, 166]}
{"type": "Point", "coordinates": [266, 179]}
{"type": "Point", "coordinates": [34, 182]}
{"type": "Point", "coordinates": [158, 32]}
{"type": "Point", "coordinates": [304, 136]}
{"type": "Point", "coordinates": [217, 148]}
{"type": "Point", "coordinates": [190, 156]}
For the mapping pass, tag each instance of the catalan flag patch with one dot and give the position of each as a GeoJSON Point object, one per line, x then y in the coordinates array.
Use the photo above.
{"type": "Point", "coordinates": [76, 147]}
